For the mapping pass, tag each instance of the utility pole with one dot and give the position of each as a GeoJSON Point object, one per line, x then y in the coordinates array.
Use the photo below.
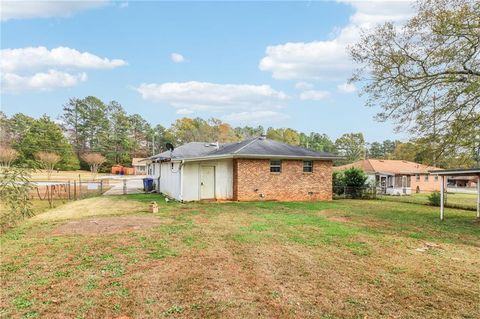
{"type": "Point", "coordinates": [153, 144]}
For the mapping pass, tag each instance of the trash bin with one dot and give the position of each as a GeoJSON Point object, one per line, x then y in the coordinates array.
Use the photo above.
{"type": "Point", "coordinates": [148, 184]}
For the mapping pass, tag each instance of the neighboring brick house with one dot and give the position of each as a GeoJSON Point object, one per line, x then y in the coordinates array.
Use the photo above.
{"type": "Point", "coordinates": [139, 166]}
{"type": "Point", "coordinates": [462, 182]}
{"type": "Point", "coordinates": [397, 177]}
{"type": "Point", "coordinates": [250, 170]}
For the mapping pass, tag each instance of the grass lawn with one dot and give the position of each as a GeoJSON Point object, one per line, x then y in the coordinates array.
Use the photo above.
{"type": "Point", "coordinates": [340, 259]}
{"type": "Point", "coordinates": [459, 200]}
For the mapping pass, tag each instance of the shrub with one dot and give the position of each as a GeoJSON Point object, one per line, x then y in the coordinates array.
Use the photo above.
{"type": "Point", "coordinates": [351, 181]}
{"type": "Point", "coordinates": [354, 177]}
{"type": "Point", "coordinates": [338, 183]}
{"type": "Point", "coordinates": [434, 198]}
{"type": "Point", "coordinates": [7, 156]}
{"type": "Point", "coordinates": [15, 187]}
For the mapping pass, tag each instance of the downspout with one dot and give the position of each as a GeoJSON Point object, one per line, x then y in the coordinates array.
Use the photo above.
{"type": "Point", "coordinates": [181, 180]}
{"type": "Point", "coordinates": [159, 176]}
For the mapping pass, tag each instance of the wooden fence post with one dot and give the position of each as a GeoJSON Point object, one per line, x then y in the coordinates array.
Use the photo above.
{"type": "Point", "coordinates": [79, 187]}
{"type": "Point", "coordinates": [69, 197]}
{"type": "Point", "coordinates": [74, 190]}
{"type": "Point", "coordinates": [49, 196]}
{"type": "Point", "coordinates": [124, 187]}
{"type": "Point", "coordinates": [52, 193]}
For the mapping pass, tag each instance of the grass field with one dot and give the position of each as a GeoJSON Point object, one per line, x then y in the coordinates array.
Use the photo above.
{"type": "Point", "coordinates": [456, 200]}
{"type": "Point", "coordinates": [63, 176]}
{"type": "Point", "coordinates": [340, 259]}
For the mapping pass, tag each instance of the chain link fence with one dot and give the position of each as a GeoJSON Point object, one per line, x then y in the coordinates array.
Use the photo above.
{"type": "Point", "coordinates": [366, 192]}
{"type": "Point", "coordinates": [52, 191]}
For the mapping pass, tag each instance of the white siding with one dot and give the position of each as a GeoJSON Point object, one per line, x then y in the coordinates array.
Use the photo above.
{"type": "Point", "coordinates": [170, 179]}
{"type": "Point", "coordinates": [371, 179]}
{"type": "Point", "coordinates": [223, 179]}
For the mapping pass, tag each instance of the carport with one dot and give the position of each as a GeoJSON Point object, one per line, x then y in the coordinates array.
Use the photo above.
{"type": "Point", "coordinates": [456, 172]}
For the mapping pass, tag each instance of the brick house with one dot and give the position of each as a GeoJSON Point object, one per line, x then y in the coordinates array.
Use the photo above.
{"type": "Point", "coordinates": [397, 177]}
{"type": "Point", "coordinates": [250, 170]}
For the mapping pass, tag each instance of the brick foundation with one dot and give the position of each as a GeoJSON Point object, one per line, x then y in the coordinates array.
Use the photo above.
{"type": "Point", "coordinates": [252, 181]}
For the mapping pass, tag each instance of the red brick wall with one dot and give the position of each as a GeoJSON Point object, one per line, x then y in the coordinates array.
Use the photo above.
{"type": "Point", "coordinates": [252, 180]}
{"type": "Point", "coordinates": [426, 186]}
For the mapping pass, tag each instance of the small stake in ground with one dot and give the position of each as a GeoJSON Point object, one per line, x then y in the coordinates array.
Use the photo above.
{"type": "Point", "coordinates": [153, 207]}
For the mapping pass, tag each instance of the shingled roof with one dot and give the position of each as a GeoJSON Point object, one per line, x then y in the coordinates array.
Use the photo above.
{"type": "Point", "coordinates": [388, 166]}
{"type": "Point", "coordinates": [258, 147]}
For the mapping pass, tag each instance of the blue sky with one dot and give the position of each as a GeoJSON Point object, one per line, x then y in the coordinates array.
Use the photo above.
{"type": "Point", "coordinates": [280, 64]}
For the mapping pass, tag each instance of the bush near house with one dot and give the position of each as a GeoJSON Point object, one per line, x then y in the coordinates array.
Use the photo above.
{"type": "Point", "coordinates": [350, 182]}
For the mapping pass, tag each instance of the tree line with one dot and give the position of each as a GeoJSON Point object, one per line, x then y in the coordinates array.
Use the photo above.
{"type": "Point", "coordinates": [90, 126]}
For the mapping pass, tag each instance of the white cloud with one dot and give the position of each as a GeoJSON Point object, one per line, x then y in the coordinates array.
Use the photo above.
{"type": "Point", "coordinates": [204, 96]}
{"type": "Point", "coordinates": [346, 88]}
{"type": "Point", "coordinates": [234, 101]}
{"type": "Point", "coordinates": [303, 86]}
{"type": "Point", "coordinates": [314, 95]}
{"type": "Point", "coordinates": [256, 117]}
{"type": "Point", "coordinates": [328, 59]}
{"type": "Point", "coordinates": [37, 57]}
{"type": "Point", "coordinates": [41, 81]}
{"type": "Point", "coordinates": [184, 111]}
{"type": "Point", "coordinates": [41, 69]}
{"type": "Point", "coordinates": [177, 58]}
{"type": "Point", "coordinates": [15, 9]}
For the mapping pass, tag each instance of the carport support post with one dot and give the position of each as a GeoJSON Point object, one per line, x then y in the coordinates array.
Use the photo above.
{"type": "Point", "coordinates": [442, 195]}
{"type": "Point", "coordinates": [478, 196]}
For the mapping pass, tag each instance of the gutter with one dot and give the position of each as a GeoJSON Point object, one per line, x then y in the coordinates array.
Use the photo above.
{"type": "Point", "coordinates": [181, 180]}
{"type": "Point", "coordinates": [256, 156]}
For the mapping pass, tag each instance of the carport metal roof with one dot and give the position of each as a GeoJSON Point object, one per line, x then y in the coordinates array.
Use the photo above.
{"type": "Point", "coordinates": [457, 172]}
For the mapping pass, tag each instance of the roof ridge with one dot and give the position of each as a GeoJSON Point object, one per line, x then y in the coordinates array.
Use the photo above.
{"type": "Point", "coordinates": [241, 148]}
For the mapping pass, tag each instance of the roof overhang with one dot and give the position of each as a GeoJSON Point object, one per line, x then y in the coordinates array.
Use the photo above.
{"type": "Point", "coordinates": [454, 172]}
{"type": "Point", "coordinates": [254, 156]}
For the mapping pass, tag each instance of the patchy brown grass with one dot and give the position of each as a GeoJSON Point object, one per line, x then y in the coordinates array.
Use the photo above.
{"type": "Point", "coordinates": [96, 206]}
{"type": "Point", "coordinates": [42, 175]}
{"type": "Point", "coordinates": [106, 225]}
{"type": "Point", "coordinates": [243, 260]}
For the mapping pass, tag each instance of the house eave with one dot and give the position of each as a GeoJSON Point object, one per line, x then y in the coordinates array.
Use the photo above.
{"type": "Point", "coordinates": [255, 156]}
{"type": "Point", "coordinates": [453, 172]}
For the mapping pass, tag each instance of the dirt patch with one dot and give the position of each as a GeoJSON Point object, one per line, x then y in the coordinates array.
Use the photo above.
{"type": "Point", "coordinates": [106, 225]}
{"type": "Point", "coordinates": [92, 207]}
{"type": "Point", "coordinates": [335, 215]}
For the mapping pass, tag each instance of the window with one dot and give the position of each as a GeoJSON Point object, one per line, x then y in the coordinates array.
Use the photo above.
{"type": "Point", "coordinates": [436, 178]}
{"type": "Point", "coordinates": [275, 166]}
{"type": "Point", "coordinates": [417, 177]}
{"type": "Point", "coordinates": [307, 166]}
{"type": "Point", "coordinates": [426, 178]}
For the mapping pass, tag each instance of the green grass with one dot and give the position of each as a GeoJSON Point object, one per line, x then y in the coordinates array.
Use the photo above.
{"type": "Point", "coordinates": [340, 259]}
{"type": "Point", "coordinates": [453, 200]}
